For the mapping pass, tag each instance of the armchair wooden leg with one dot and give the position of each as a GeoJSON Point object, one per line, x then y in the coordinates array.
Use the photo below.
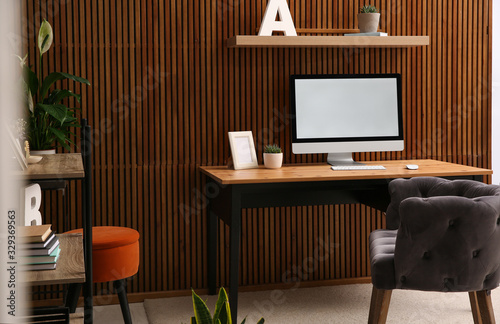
{"type": "Point", "coordinates": [379, 306]}
{"type": "Point", "coordinates": [484, 307]}
{"type": "Point", "coordinates": [476, 314]}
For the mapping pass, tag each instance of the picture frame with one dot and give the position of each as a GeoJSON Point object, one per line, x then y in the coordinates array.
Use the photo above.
{"type": "Point", "coordinates": [243, 150]}
{"type": "Point", "coordinates": [17, 149]}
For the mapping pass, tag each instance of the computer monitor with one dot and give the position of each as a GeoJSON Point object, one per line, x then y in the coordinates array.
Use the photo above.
{"type": "Point", "coordinates": [343, 114]}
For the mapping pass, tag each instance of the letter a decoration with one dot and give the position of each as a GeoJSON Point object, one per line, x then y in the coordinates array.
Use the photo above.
{"type": "Point", "coordinates": [269, 24]}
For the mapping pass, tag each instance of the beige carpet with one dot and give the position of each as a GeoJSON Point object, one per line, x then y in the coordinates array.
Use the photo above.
{"type": "Point", "coordinates": [332, 304]}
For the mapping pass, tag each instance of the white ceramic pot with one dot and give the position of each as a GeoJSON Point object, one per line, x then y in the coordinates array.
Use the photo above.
{"type": "Point", "coordinates": [42, 152]}
{"type": "Point", "coordinates": [368, 22]}
{"type": "Point", "coordinates": [273, 160]}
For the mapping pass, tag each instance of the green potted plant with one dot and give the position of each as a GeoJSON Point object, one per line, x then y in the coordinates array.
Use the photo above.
{"type": "Point", "coordinates": [49, 120]}
{"type": "Point", "coordinates": [273, 156]}
{"type": "Point", "coordinates": [368, 19]}
{"type": "Point", "coordinates": [222, 313]}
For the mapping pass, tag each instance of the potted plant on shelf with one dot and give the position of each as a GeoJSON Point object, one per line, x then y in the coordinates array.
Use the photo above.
{"type": "Point", "coordinates": [49, 119]}
{"type": "Point", "coordinates": [273, 156]}
{"type": "Point", "coordinates": [368, 19]}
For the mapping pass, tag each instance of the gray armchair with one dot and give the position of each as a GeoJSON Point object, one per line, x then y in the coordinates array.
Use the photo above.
{"type": "Point", "coordinates": [442, 236]}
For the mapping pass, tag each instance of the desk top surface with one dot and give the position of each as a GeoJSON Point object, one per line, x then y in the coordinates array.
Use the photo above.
{"type": "Point", "coordinates": [323, 172]}
{"type": "Point", "coordinates": [55, 166]}
{"type": "Point", "coordinates": [70, 265]}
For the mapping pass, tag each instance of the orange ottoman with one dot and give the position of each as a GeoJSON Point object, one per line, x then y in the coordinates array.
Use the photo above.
{"type": "Point", "coordinates": [115, 257]}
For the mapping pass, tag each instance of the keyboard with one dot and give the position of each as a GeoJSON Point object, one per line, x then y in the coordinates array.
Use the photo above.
{"type": "Point", "coordinates": [357, 167]}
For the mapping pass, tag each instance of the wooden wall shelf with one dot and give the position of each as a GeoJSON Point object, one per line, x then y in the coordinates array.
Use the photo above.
{"type": "Point", "coordinates": [242, 41]}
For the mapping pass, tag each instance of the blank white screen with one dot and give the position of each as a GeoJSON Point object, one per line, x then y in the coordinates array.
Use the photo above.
{"type": "Point", "coordinates": [338, 108]}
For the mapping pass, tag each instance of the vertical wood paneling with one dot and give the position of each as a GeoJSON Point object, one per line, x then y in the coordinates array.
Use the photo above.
{"type": "Point", "coordinates": [165, 92]}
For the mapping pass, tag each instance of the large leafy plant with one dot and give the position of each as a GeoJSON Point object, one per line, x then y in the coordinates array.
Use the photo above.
{"type": "Point", "coordinates": [50, 121]}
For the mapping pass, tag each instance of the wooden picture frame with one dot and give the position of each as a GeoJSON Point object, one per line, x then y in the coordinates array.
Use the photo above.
{"type": "Point", "coordinates": [243, 150]}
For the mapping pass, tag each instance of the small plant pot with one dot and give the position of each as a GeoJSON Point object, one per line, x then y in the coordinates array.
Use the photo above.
{"type": "Point", "coordinates": [368, 22]}
{"type": "Point", "coordinates": [42, 152]}
{"type": "Point", "coordinates": [273, 160]}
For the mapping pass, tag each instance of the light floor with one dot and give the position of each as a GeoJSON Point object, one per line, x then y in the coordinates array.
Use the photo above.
{"type": "Point", "coordinates": [330, 305]}
{"type": "Point", "coordinates": [113, 315]}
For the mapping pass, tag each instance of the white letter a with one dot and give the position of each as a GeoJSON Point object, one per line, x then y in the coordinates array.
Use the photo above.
{"type": "Point", "coordinates": [269, 24]}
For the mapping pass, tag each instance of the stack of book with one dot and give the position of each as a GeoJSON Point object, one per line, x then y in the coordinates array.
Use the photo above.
{"type": "Point", "coordinates": [41, 248]}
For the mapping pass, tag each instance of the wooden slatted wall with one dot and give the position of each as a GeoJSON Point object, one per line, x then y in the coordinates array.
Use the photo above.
{"type": "Point", "coordinates": [166, 90]}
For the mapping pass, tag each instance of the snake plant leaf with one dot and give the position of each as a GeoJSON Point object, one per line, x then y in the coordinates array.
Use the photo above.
{"type": "Point", "coordinates": [56, 76]}
{"type": "Point", "coordinates": [58, 111]}
{"type": "Point", "coordinates": [220, 305]}
{"type": "Point", "coordinates": [261, 321]}
{"type": "Point", "coordinates": [244, 320]}
{"type": "Point", "coordinates": [193, 320]}
{"type": "Point", "coordinates": [45, 37]}
{"type": "Point", "coordinates": [225, 314]}
{"type": "Point", "coordinates": [57, 95]}
{"type": "Point", "coordinates": [201, 311]}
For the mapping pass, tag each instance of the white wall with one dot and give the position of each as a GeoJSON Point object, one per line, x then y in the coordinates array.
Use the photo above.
{"type": "Point", "coordinates": [496, 93]}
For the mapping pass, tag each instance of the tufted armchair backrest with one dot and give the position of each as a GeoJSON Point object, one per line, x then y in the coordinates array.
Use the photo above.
{"type": "Point", "coordinates": [426, 187]}
{"type": "Point", "coordinates": [449, 235]}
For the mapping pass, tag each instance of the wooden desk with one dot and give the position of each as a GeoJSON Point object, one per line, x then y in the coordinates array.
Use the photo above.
{"type": "Point", "coordinates": [303, 185]}
{"type": "Point", "coordinates": [70, 266]}
{"type": "Point", "coordinates": [55, 166]}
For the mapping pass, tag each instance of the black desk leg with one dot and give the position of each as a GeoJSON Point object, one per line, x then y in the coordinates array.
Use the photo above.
{"type": "Point", "coordinates": [234, 255]}
{"type": "Point", "coordinates": [86, 147]}
{"type": "Point", "coordinates": [212, 251]}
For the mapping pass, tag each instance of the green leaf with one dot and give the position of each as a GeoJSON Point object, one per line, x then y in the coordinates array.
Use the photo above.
{"type": "Point", "coordinates": [58, 111]}
{"type": "Point", "coordinates": [193, 320]}
{"type": "Point", "coordinates": [45, 37]}
{"type": "Point", "coordinates": [30, 79]}
{"type": "Point", "coordinates": [221, 301]}
{"type": "Point", "coordinates": [28, 98]}
{"type": "Point", "coordinates": [201, 311]}
{"type": "Point", "coordinates": [261, 321]}
{"type": "Point", "coordinates": [60, 135]}
{"type": "Point", "coordinates": [57, 95]}
{"type": "Point", "coordinates": [61, 138]}
{"type": "Point", "coordinates": [224, 316]}
{"type": "Point", "coordinates": [56, 76]}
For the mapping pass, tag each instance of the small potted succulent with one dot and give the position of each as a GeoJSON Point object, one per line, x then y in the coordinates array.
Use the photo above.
{"type": "Point", "coordinates": [368, 19]}
{"type": "Point", "coordinates": [273, 156]}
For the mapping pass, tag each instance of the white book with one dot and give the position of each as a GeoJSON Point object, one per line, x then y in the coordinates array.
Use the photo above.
{"type": "Point", "coordinates": [366, 34]}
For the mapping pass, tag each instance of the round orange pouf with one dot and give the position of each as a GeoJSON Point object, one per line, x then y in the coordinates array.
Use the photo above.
{"type": "Point", "coordinates": [115, 252]}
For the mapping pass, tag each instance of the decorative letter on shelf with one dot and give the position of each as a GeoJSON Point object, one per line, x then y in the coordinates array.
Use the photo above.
{"type": "Point", "coordinates": [269, 24]}
{"type": "Point", "coordinates": [32, 202]}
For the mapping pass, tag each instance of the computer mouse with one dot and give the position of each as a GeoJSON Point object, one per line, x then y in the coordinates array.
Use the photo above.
{"type": "Point", "coordinates": [412, 167]}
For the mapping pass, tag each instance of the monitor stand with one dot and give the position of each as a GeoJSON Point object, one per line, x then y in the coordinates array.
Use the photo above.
{"type": "Point", "coordinates": [341, 159]}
